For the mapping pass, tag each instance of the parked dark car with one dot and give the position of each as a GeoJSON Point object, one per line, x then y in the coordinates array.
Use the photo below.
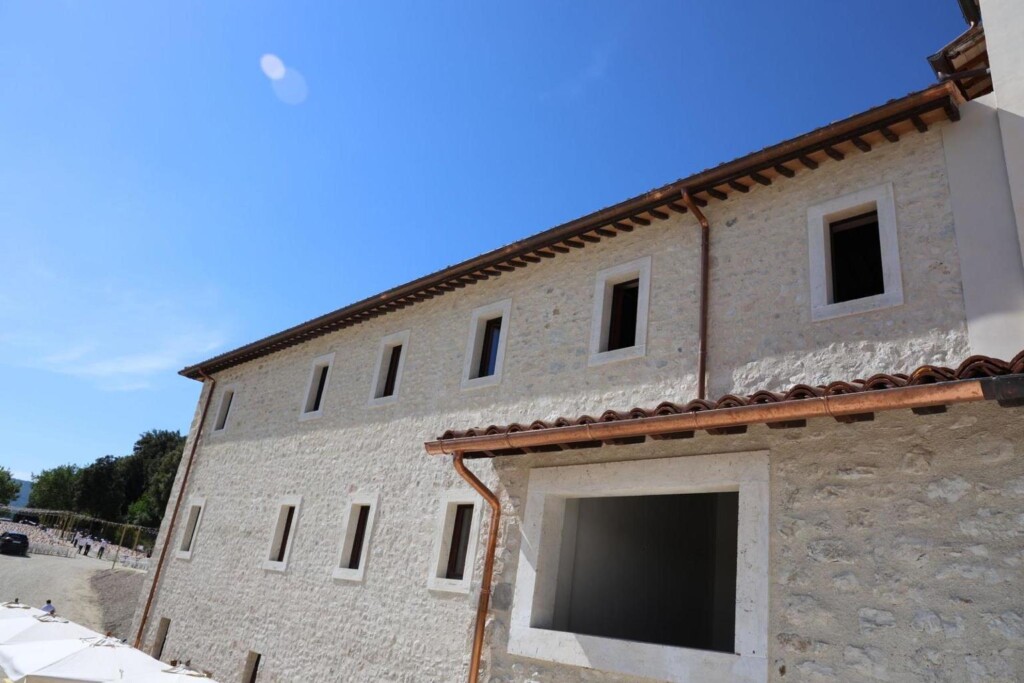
{"type": "Point", "coordinates": [13, 544]}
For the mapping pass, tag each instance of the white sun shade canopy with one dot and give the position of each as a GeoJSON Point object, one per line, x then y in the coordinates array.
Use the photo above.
{"type": "Point", "coordinates": [90, 660]}
{"type": "Point", "coordinates": [35, 629]}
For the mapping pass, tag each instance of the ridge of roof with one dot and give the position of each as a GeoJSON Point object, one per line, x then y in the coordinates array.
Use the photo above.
{"type": "Point", "coordinates": [804, 152]}
{"type": "Point", "coordinates": [974, 367]}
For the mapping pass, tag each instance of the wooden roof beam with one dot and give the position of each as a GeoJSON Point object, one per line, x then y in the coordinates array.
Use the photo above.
{"type": "Point", "coordinates": [660, 215]}
{"type": "Point", "coordinates": [860, 143]}
{"type": "Point", "coordinates": [717, 194]}
{"type": "Point", "coordinates": [888, 134]}
{"type": "Point", "coordinates": [784, 170]}
{"type": "Point", "coordinates": [919, 123]}
{"type": "Point", "coordinates": [834, 153]}
{"type": "Point", "coordinates": [808, 162]}
{"type": "Point", "coordinates": [738, 186]}
{"type": "Point", "coordinates": [760, 179]}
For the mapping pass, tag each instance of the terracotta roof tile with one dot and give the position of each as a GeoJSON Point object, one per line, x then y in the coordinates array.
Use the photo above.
{"type": "Point", "coordinates": [975, 367]}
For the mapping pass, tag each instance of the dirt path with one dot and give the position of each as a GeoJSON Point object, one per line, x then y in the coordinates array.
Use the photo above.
{"type": "Point", "coordinates": [83, 589]}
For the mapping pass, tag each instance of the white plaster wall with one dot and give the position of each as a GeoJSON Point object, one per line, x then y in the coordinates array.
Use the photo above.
{"type": "Point", "coordinates": [986, 232]}
{"type": "Point", "coordinates": [391, 627]}
{"type": "Point", "coordinates": [1004, 26]}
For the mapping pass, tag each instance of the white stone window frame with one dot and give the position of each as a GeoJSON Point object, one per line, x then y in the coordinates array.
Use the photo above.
{"type": "Point", "coordinates": [278, 529]}
{"type": "Point", "coordinates": [194, 502]}
{"type": "Point", "coordinates": [380, 370]}
{"type": "Point", "coordinates": [880, 198]}
{"type": "Point", "coordinates": [474, 345]}
{"type": "Point", "coordinates": [225, 409]}
{"type": "Point", "coordinates": [326, 360]}
{"type": "Point", "coordinates": [537, 574]}
{"type": "Point", "coordinates": [640, 269]}
{"type": "Point", "coordinates": [443, 528]}
{"type": "Point", "coordinates": [349, 521]}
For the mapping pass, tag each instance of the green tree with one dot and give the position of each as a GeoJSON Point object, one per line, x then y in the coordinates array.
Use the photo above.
{"type": "Point", "coordinates": [153, 453]}
{"type": "Point", "coordinates": [9, 489]}
{"type": "Point", "coordinates": [100, 490]}
{"type": "Point", "coordinates": [55, 489]}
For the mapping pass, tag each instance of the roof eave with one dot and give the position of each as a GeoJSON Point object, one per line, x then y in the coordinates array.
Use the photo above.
{"type": "Point", "coordinates": [718, 183]}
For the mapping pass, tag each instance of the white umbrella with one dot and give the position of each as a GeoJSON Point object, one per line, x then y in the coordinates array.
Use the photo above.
{"type": "Point", "coordinates": [41, 628]}
{"type": "Point", "coordinates": [17, 610]}
{"type": "Point", "coordinates": [106, 660]}
{"type": "Point", "coordinates": [22, 658]}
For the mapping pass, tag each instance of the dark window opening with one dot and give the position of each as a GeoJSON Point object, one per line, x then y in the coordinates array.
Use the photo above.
{"type": "Point", "coordinates": [252, 667]}
{"type": "Point", "coordinates": [392, 374]}
{"type": "Point", "coordinates": [317, 396]}
{"type": "Point", "coordinates": [222, 419]}
{"type": "Point", "coordinates": [856, 258]}
{"type": "Point", "coordinates": [356, 553]}
{"type": "Point", "coordinates": [651, 569]}
{"type": "Point", "coordinates": [622, 322]}
{"type": "Point", "coordinates": [459, 542]}
{"type": "Point", "coordinates": [282, 545]}
{"type": "Point", "coordinates": [489, 348]}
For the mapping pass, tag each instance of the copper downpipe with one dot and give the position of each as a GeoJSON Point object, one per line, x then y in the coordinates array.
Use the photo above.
{"type": "Point", "coordinates": [485, 580]}
{"type": "Point", "coordinates": [838, 406]}
{"type": "Point", "coordinates": [705, 277]}
{"type": "Point", "coordinates": [174, 515]}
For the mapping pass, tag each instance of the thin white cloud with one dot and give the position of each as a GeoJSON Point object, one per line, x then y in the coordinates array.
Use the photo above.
{"type": "Point", "coordinates": [119, 336]}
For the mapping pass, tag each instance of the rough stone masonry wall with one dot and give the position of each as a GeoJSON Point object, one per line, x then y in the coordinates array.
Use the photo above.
{"type": "Point", "coordinates": [897, 547]}
{"type": "Point", "coordinates": [391, 627]}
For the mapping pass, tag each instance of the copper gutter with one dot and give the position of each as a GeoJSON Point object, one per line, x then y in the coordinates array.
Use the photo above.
{"type": "Point", "coordinates": [485, 580]}
{"type": "Point", "coordinates": [174, 515]}
{"type": "Point", "coordinates": [705, 268]}
{"type": "Point", "coordinates": [837, 406]}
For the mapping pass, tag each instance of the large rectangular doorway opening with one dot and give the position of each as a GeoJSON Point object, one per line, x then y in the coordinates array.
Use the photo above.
{"type": "Point", "coordinates": [655, 569]}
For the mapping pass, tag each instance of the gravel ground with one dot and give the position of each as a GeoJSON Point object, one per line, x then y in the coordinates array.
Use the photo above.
{"type": "Point", "coordinates": [83, 589]}
{"type": "Point", "coordinates": [118, 592]}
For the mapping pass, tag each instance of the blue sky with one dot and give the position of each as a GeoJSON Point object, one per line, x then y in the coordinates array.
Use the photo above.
{"type": "Point", "coordinates": [163, 200]}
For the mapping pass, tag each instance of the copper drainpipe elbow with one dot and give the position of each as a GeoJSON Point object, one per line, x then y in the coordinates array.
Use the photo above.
{"type": "Point", "coordinates": [174, 515]}
{"type": "Point", "coordinates": [705, 270]}
{"type": "Point", "coordinates": [485, 580]}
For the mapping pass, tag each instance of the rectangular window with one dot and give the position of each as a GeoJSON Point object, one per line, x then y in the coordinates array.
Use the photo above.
{"type": "Point", "coordinates": [655, 568]}
{"type": "Point", "coordinates": [277, 553]}
{"type": "Point", "coordinates": [459, 542]}
{"type": "Point", "coordinates": [622, 322]}
{"type": "Point", "coordinates": [284, 533]}
{"type": "Point", "coordinates": [251, 671]}
{"type": "Point", "coordinates": [650, 569]}
{"type": "Point", "coordinates": [317, 387]}
{"type": "Point", "coordinates": [191, 529]}
{"type": "Point", "coordinates": [392, 374]}
{"type": "Point", "coordinates": [485, 351]}
{"type": "Point", "coordinates": [856, 258]}
{"type": "Point", "coordinates": [489, 348]}
{"type": "Point", "coordinates": [854, 254]}
{"type": "Point", "coordinates": [317, 395]}
{"type": "Point", "coordinates": [355, 543]}
{"type": "Point", "coordinates": [356, 554]}
{"type": "Point", "coordinates": [618, 329]}
{"type": "Point", "coordinates": [161, 638]}
{"type": "Point", "coordinates": [388, 373]}
{"type": "Point", "coordinates": [224, 410]}
{"type": "Point", "coordinates": [455, 545]}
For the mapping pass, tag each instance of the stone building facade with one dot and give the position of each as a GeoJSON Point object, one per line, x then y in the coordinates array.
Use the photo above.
{"type": "Point", "coordinates": [882, 549]}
